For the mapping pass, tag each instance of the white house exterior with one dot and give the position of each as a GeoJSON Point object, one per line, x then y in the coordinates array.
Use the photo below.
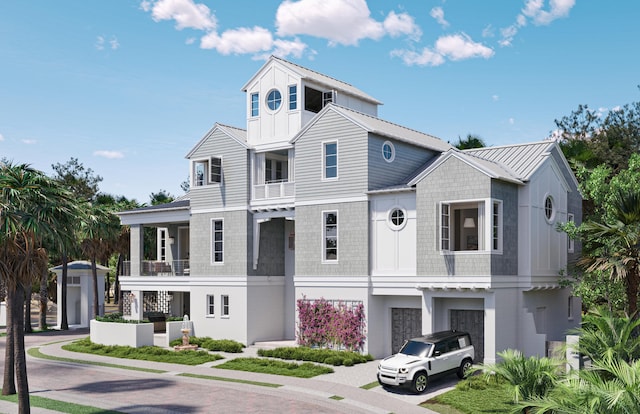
{"type": "Point", "coordinates": [319, 198]}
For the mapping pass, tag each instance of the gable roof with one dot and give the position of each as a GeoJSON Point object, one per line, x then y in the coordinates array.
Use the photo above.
{"type": "Point", "coordinates": [522, 159]}
{"type": "Point", "coordinates": [380, 127]}
{"type": "Point", "coordinates": [235, 133]}
{"type": "Point", "coordinates": [316, 77]}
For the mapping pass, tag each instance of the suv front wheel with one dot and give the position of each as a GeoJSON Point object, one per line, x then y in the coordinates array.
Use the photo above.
{"type": "Point", "coordinates": [419, 383]}
{"type": "Point", "coordinates": [465, 366]}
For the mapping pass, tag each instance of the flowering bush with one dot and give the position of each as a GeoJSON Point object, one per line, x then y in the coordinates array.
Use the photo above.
{"type": "Point", "coordinates": [327, 325]}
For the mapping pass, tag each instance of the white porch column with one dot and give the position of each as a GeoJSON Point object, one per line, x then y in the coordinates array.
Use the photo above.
{"type": "Point", "coordinates": [136, 250]}
{"type": "Point", "coordinates": [489, 329]}
{"type": "Point", "coordinates": [136, 305]}
{"type": "Point", "coordinates": [427, 312]}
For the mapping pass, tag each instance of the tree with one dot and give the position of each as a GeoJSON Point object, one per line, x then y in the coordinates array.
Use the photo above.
{"type": "Point", "coordinates": [161, 197]}
{"type": "Point", "coordinates": [99, 228]}
{"type": "Point", "coordinates": [471, 141]}
{"type": "Point", "coordinates": [30, 204]}
{"type": "Point", "coordinates": [614, 245]}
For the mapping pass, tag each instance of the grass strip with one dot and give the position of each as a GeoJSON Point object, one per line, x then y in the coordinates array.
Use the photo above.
{"type": "Point", "coordinates": [145, 353]}
{"type": "Point", "coordinates": [370, 385]}
{"type": "Point", "coordinates": [270, 366]}
{"type": "Point", "coordinates": [336, 397]}
{"type": "Point", "coordinates": [57, 405]}
{"type": "Point", "coordinates": [240, 381]}
{"type": "Point", "coordinates": [35, 352]}
{"type": "Point", "coordinates": [473, 395]}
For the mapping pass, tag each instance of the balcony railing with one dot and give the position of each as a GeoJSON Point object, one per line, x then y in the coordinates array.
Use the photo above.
{"type": "Point", "coordinates": [274, 190]}
{"type": "Point", "coordinates": [159, 268]}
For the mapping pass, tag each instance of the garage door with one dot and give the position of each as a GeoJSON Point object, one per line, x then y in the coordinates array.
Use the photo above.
{"type": "Point", "coordinates": [405, 323]}
{"type": "Point", "coordinates": [471, 321]}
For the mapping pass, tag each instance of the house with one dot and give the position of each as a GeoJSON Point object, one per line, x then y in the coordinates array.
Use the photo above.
{"type": "Point", "coordinates": [320, 198]}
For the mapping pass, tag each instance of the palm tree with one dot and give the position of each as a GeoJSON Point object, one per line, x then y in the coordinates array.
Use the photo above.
{"type": "Point", "coordinates": [30, 204]}
{"type": "Point", "coordinates": [611, 386]}
{"type": "Point", "coordinates": [470, 142]}
{"type": "Point", "coordinates": [528, 378]}
{"type": "Point", "coordinates": [99, 228]}
{"type": "Point", "coordinates": [605, 334]}
{"type": "Point", "coordinates": [615, 246]}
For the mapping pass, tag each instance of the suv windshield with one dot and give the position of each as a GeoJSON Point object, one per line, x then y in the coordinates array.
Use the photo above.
{"type": "Point", "coordinates": [421, 349]}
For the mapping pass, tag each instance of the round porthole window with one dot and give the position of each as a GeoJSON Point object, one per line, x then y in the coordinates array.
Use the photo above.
{"type": "Point", "coordinates": [388, 151]}
{"type": "Point", "coordinates": [274, 99]}
{"type": "Point", "coordinates": [397, 218]}
{"type": "Point", "coordinates": [549, 209]}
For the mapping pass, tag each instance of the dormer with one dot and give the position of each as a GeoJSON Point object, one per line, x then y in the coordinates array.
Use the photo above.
{"type": "Point", "coordinates": [283, 97]}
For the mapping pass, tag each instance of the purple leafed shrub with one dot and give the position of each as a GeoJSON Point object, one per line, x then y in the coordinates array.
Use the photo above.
{"type": "Point", "coordinates": [326, 324]}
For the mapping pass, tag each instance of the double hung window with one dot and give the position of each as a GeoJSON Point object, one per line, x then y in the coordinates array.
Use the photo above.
{"type": "Point", "coordinates": [255, 104]}
{"type": "Point", "coordinates": [330, 232]}
{"type": "Point", "coordinates": [330, 160]}
{"type": "Point", "coordinates": [471, 226]}
{"type": "Point", "coordinates": [293, 97]}
{"type": "Point", "coordinates": [225, 305]}
{"type": "Point", "coordinates": [211, 309]}
{"type": "Point", "coordinates": [217, 241]}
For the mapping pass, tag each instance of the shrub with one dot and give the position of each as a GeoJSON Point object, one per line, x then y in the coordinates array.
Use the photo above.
{"type": "Point", "coordinates": [325, 356]}
{"type": "Point", "coordinates": [218, 345]}
{"type": "Point", "coordinates": [116, 318]}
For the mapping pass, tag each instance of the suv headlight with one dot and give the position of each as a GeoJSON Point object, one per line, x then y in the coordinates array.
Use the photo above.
{"type": "Point", "coordinates": [403, 370]}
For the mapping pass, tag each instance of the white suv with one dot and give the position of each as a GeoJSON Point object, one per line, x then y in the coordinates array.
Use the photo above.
{"type": "Point", "coordinates": [439, 352]}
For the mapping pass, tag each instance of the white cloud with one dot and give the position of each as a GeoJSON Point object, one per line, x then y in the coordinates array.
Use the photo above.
{"type": "Point", "coordinates": [557, 9]}
{"type": "Point", "coordinates": [340, 21]}
{"type": "Point", "coordinates": [488, 31]}
{"type": "Point", "coordinates": [512, 121]}
{"type": "Point", "coordinates": [29, 141]}
{"type": "Point", "coordinates": [401, 24]}
{"type": "Point", "coordinates": [239, 41]}
{"type": "Point", "coordinates": [426, 58]}
{"type": "Point", "coordinates": [285, 48]}
{"type": "Point", "coordinates": [190, 41]}
{"type": "Point", "coordinates": [186, 13]}
{"type": "Point", "coordinates": [109, 154]}
{"type": "Point", "coordinates": [114, 43]}
{"type": "Point", "coordinates": [460, 46]}
{"type": "Point", "coordinates": [495, 98]}
{"type": "Point", "coordinates": [438, 14]}
{"type": "Point", "coordinates": [100, 43]}
{"type": "Point", "coordinates": [1, 138]}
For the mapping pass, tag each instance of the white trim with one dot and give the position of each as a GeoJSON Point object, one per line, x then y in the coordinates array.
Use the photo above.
{"type": "Point", "coordinates": [210, 305]}
{"type": "Point", "coordinates": [324, 237]}
{"type": "Point", "coordinates": [331, 201]}
{"type": "Point", "coordinates": [405, 218]}
{"type": "Point", "coordinates": [266, 100]}
{"type": "Point", "coordinates": [324, 160]}
{"type": "Point", "coordinates": [571, 245]}
{"type": "Point", "coordinates": [212, 241]}
{"type": "Point", "coordinates": [485, 223]}
{"type": "Point", "coordinates": [219, 210]}
{"type": "Point", "coordinates": [224, 315]}
{"type": "Point", "coordinates": [554, 208]}
{"type": "Point", "coordinates": [393, 151]}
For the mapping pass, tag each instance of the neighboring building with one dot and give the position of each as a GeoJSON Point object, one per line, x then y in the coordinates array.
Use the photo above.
{"type": "Point", "coordinates": [319, 198]}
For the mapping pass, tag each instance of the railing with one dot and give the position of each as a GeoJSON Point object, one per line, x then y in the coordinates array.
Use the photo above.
{"type": "Point", "coordinates": [159, 268]}
{"type": "Point", "coordinates": [274, 190]}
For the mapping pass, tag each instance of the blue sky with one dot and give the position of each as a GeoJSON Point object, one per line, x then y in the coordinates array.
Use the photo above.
{"type": "Point", "coordinates": [128, 87]}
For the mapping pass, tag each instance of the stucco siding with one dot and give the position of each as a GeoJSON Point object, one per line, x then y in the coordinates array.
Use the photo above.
{"type": "Point", "coordinates": [453, 180]}
{"type": "Point", "coordinates": [408, 159]}
{"type": "Point", "coordinates": [235, 236]}
{"type": "Point", "coordinates": [353, 240]}
{"type": "Point", "coordinates": [234, 188]}
{"type": "Point", "coordinates": [352, 160]}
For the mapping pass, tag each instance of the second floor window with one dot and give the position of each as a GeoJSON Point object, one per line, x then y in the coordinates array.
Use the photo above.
{"type": "Point", "coordinates": [293, 97]}
{"type": "Point", "coordinates": [206, 172]}
{"type": "Point", "coordinates": [471, 225]}
{"type": "Point", "coordinates": [330, 231]}
{"type": "Point", "coordinates": [217, 241]}
{"type": "Point", "coordinates": [330, 150]}
{"type": "Point", "coordinates": [255, 103]}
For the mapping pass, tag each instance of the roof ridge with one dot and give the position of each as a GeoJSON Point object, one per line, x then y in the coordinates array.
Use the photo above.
{"type": "Point", "coordinates": [504, 167]}
{"type": "Point", "coordinates": [314, 71]}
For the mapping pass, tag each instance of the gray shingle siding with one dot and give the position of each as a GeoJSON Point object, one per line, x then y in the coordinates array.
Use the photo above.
{"type": "Point", "coordinates": [353, 240]}
{"type": "Point", "coordinates": [352, 160]}
{"type": "Point", "coordinates": [507, 262]}
{"type": "Point", "coordinates": [453, 180]}
{"type": "Point", "coordinates": [408, 159]}
{"type": "Point", "coordinates": [235, 233]}
{"type": "Point", "coordinates": [235, 170]}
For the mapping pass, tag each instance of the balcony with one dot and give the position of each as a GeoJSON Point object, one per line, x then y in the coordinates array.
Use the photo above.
{"type": "Point", "coordinates": [159, 268]}
{"type": "Point", "coordinates": [274, 190]}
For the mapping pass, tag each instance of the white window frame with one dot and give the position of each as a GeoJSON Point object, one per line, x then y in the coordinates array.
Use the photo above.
{"type": "Point", "coordinates": [211, 308]}
{"type": "Point", "coordinates": [292, 91]}
{"type": "Point", "coordinates": [324, 160]}
{"type": "Point", "coordinates": [213, 241]}
{"type": "Point", "coordinates": [485, 223]}
{"type": "Point", "coordinates": [208, 176]}
{"type": "Point", "coordinates": [225, 308]}
{"type": "Point", "coordinates": [571, 242]}
{"type": "Point", "coordinates": [254, 110]}
{"type": "Point", "coordinates": [324, 236]}
{"type": "Point", "coordinates": [390, 218]}
{"type": "Point", "coordinates": [272, 100]}
{"type": "Point", "coordinates": [392, 148]}
{"type": "Point", "coordinates": [554, 208]}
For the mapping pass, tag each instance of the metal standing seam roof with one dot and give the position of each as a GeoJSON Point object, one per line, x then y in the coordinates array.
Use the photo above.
{"type": "Point", "coordinates": [389, 129]}
{"type": "Point", "coordinates": [182, 203]}
{"type": "Point", "coordinates": [520, 159]}
{"type": "Point", "coordinates": [317, 77]}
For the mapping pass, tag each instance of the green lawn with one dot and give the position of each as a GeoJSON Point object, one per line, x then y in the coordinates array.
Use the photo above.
{"type": "Point", "coordinates": [270, 366]}
{"type": "Point", "coordinates": [61, 406]}
{"type": "Point", "coordinates": [473, 396]}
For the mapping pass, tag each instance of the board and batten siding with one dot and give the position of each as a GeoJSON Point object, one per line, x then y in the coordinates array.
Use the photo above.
{"type": "Point", "coordinates": [235, 174]}
{"type": "Point", "coordinates": [408, 158]}
{"type": "Point", "coordinates": [235, 237]}
{"type": "Point", "coordinates": [353, 240]}
{"type": "Point", "coordinates": [352, 160]}
{"type": "Point", "coordinates": [452, 180]}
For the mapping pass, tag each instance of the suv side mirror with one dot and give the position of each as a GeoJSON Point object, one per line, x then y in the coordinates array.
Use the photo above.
{"type": "Point", "coordinates": [436, 353]}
